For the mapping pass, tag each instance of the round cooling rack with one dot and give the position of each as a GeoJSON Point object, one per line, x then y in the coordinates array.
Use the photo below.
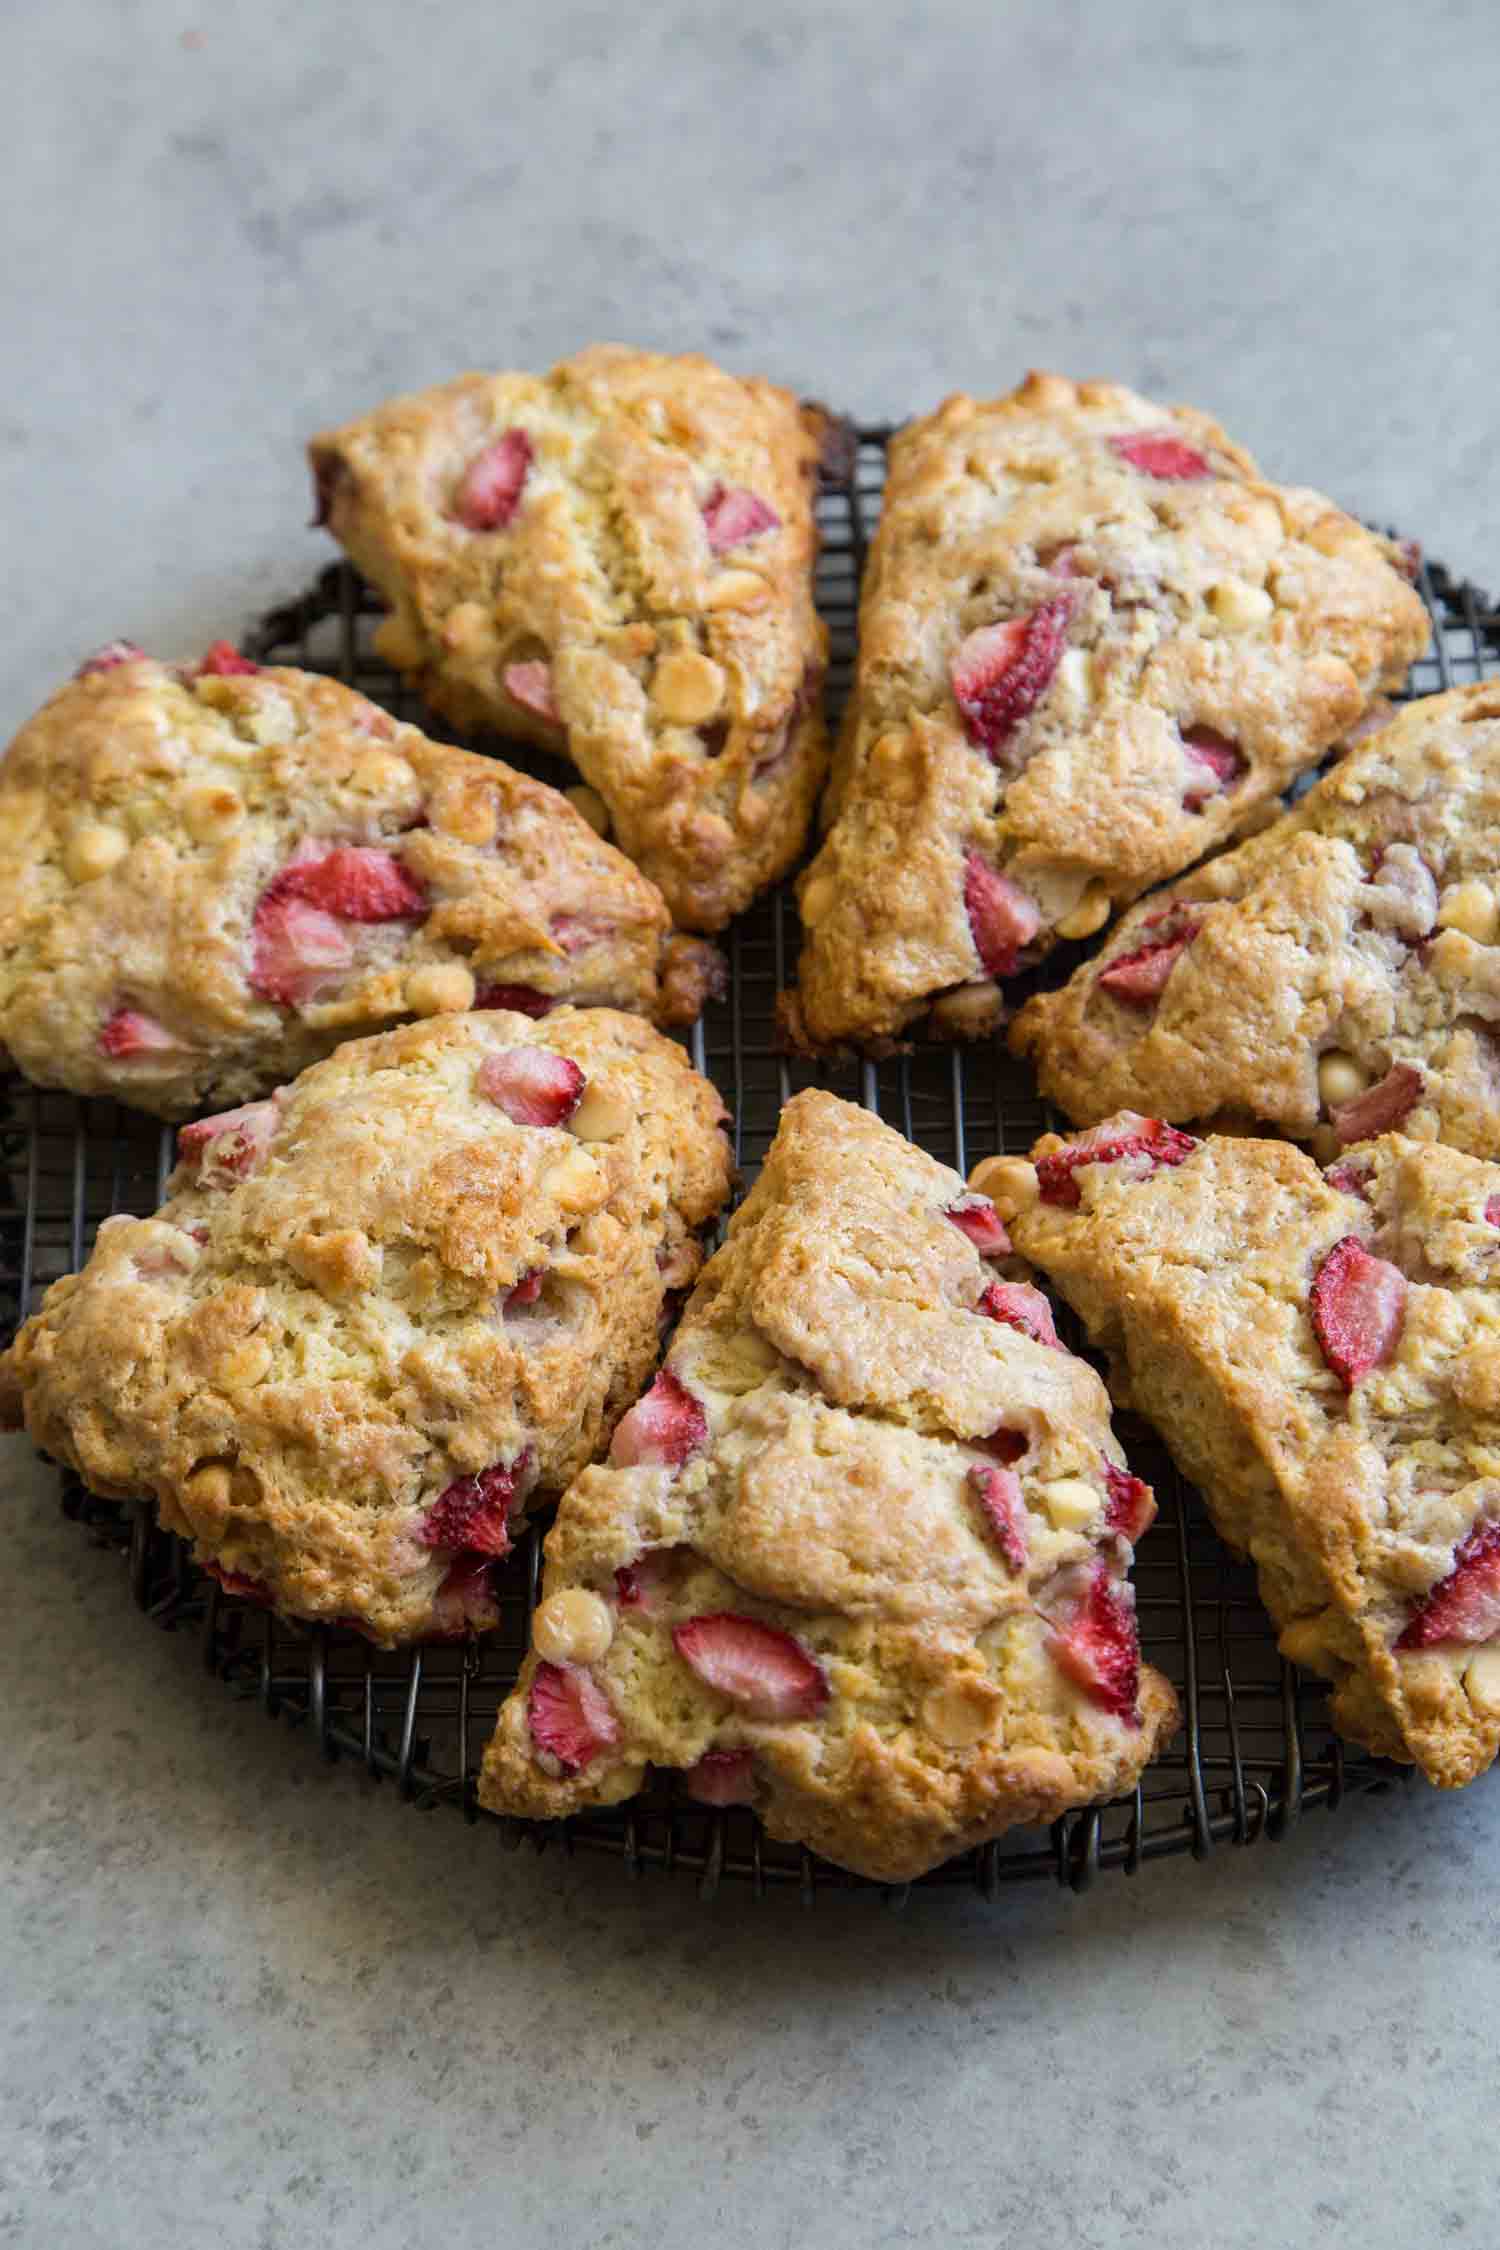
{"type": "Point", "coordinates": [1255, 1751]}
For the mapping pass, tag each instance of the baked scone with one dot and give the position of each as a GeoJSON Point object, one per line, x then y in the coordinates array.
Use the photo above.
{"type": "Point", "coordinates": [1337, 975]}
{"type": "Point", "coordinates": [614, 561]}
{"type": "Point", "coordinates": [382, 1311]}
{"type": "Point", "coordinates": [858, 1556]}
{"type": "Point", "coordinates": [1093, 643]}
{"type": "Point", "coordinates": [209, 877]}
{"type": "Point", "coordinates": [1321, 1354]}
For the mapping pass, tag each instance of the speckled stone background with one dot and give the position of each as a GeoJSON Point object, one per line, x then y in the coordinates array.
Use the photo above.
{"type": "Point", "coordinates": [248, 2001]}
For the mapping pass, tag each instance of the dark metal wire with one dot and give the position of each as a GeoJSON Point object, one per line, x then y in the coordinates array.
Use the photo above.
{"type": "Point", "coordinates": [1255, 1751]}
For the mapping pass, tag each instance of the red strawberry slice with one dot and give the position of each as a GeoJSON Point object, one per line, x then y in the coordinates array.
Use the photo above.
{"type": "Point", "coordinates": [1005, 1444]}
{"type": "Point", "coordinates": [1352, 1177]}
{"type": "Point", "coordinates": [473, 1515]}
{"type": "Point", "coordinates": [1218, 765]}
{"type": "Point", "coordinates": [998, 1492]}
{"type": "Point", "coordinates": [1358, 1304]}
{"type": "Point", "coordinates": [1409, 559]}
{"type": "Point", "coordinates": [570, 1715]}
{"type": "Point", "coordinates": [1464, 1606]}
{"type": "Point", "coordinates": [296, 950]}
{"type": "Point", "coordinates": [532, 1085]}
{"type": "Point", "coordinates": [976, 1216]}
{"type": "Point", "coordinates": [465, 1602]}
{"type": "Point", "coordinates": [1380, 1108]}
{"type": "Point", "coordinates": [223, 661]}
{"type": "Point", "coordinates": [1156, 453]}
{"type": "Point", "coordinates": [129, 1032]}
{"type": "Point", "coordinates": [530, 685]}
{"type": "Point", "coordinates": [527, 1289]}
{"type": "Point", "coordinates": [575, 931]}
{"type": "Point", "coordinates": [1492, 1211]}
{"type": "Point", "coordinates": [1002, 919]}
{"type": "Point", "coordinates": [357, 882]}
{"type": "Point", "coordinates": [493, 482]}
{"type": "Point", "coordinates": [722, 1777]}
{"type": "Point", "coordinates": [236, 1583]}
{"type": "Point", "coordinates": [109, 658]}
{"type": "Point", "coordinates": [760, 1669]}
{"type": "Point", "coordinates": [1109, 1144]}
{"type": "Point", "coordinates": [1131, 1507]}
{"type": "Point", "coordinates": [1096, 1644]}
{"type": "Point", "coordinates": [638, 1584]}
{"type": "Point", "coordinates": [229, 1146]}
{"type": "Point", "coordinates": [731, 515]}
{"type": "Point", "coordinates": [662, 1430]}
{"type": "Point", "coordinates": [1141, 976]}
{"type": "Point", "coordinates": [1000, 673]}
{"type": "Point", "coordinates": [523, 998]}
{"type": "Point", "coordinates": [1018, 1305]}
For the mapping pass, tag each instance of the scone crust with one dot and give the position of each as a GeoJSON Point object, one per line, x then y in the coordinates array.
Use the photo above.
{"type": "Point", "coordinates": [298, 1362]}
{"type": "Point", "coordinates": [687, 683]}
{"type": "Point", "coordinates": [849, 1385]}
{"type": "Point", "coordinates": [1222, 602]}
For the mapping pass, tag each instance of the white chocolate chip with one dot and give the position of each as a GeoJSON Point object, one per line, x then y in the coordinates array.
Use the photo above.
{"type": "Point", "coordinates": [687, 688]}
{"type": "Point", "coordinates": [378, 773]}
{"type": "Point", "coordinates": [400, 641]}
{"type": "Point", "coordinates": [592, 806]}
{"type": "Point", "coordinates": [955, 1717]}
{"type": "Point", "coordinates": [602, 1115]}
{"type": "Point", "coordinates": [816, 899]}
{"type": "Point", "coordinates": [1340, 1078]}
{"type": "Point", "coordinates": [1472, 908]}
{"type": "Point", "coordinates": [1090, 914]}
{"type": "Point", "coordinates": [1069, 1502]}
{"type": "Point", "coordinates": [737, 589]}
{"type": "Point", "coordinates": [896, 767]}
{"type": "Point", "coordinates": [1237, 606]}
{"type": "Point", "coordinates": [440, 988]}
{"type": "Point", "coordinates": [574, 1181]}
{"type": "Point", "coordinates": [1482, 1681]}
{"type": "Point", "coordinates": [573, 1627]}
{"type": "Point", "coordinates": [1072, 691]}
{"type": "Point", "coordinates": [94, 847]}
{"type": "Point", "coordinates": [1010, 1182]}
{"type": "Point", "coordinates": [211, 811]}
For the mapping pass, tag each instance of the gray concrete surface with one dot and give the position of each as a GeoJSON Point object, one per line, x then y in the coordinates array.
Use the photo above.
{"type": "Point", "coordinates": [249, 2001]}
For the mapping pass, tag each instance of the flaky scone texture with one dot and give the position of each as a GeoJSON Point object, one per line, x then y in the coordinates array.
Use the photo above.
{"type": "Point", "coordinates": [1321, 1355]}
{"type": "Point", "coordinates": [615, 561]}
{"type": "Point", "coordinates": [208, 879]}
{"type": "Point", "coordinates": [833, 1403]}
{"type": "Point", "coordinates": [377, 1313]}
{"type": "Point", "coordinates": [1093, 643]}
{"type": "Point", "coordinates": [1335, 975]}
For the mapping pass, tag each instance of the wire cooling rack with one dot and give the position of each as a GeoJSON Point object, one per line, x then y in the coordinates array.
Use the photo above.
{"type": "Point", "coordinates": [1255, 1751]}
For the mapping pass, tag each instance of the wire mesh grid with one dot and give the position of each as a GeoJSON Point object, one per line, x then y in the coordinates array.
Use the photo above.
{"type": "Point", "coordinates": [1255, 1750]}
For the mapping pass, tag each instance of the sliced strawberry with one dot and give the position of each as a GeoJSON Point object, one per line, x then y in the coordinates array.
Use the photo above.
{"type": "Point", "coordinates": [760, 1669]}
{"type": "Point", "coordinates": [527, 1289]}
{"type": "Point", "coordinates": [1141, 976]}
{"type": "Point", "coordinates": [1464, 1606]}
{"type": "Point", "coordinates": [998, 1492]}
{"type": "Point", "coordinates": [1217, 762]}
{"type": "Point", "coordinates": [1018, 1305]}
{"type": "Point", "coordinates": [662, 1430]}
{"type": "Point", "coordinates": [492, 484]}
{"type": "Point", "coordinates": [1109, 1144]}
{"type": "Point", "coordinates": [1381, 1107]}
{"type": "Point", "coordinates": [722, 1777]}
{"type": "Point", "coordinates": [1000, 673]}
{"type": "Point", "coordinates": [530, 685]}
{"type": "Point", "coordinates": [1352, 1177]}
{"type": "Point", "coordinates": [473, 1515]}
{"type": "Point", "coordinates": [575, 931]}
{"type": "Point", "coordinates": [236, 1583]}
{"type": "Point", "coordinates": [976, 1216]}
{"type": "Point", "coordinates": [570, 1715]}
{"type": "Point", "coordinates": [1409, 559]}
{"type": "Point", "coordinates": [465, 1602]}
{"type": "Point", "coordinates": [1097, 1645]}
{"type": "Point", "coordinates": [524, 999]}
{"type": "Point", "coordinates": [532, 1085]}
{"type": "Point", "coordinates": [1492, 1211]}
{"type": "Point", "coordinates": [296, 950]}
{"type": "Point", "coordinates": [639, 1584]}
{"type": "Point", "coordinates": [1131, 1507]}
{"type": "Point", "coordinates": [223, 661]}
{"type": "Point", "coordinates": [109, 658]}
{"type": "Point", "coordinates": [731, 515]}
{"type": "Point", "coordinates": [129, 1032]}
{"type": "Point", "coordinates": [1157, 453]}
{"type": "Point", "coordinates": [1002, 919]}
{"type": "Point", "coordinates": [229, 1146]}
{"type": "Point", "coordinates": [1357, 1304]}
{"type": "Point", "coordinates": [1006, 1445]}
{"type": "Point", "coordinates": [357, 882]}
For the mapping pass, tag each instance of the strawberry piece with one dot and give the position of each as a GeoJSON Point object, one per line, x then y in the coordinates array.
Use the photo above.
{"type": "Point", "coordinates": [1002, 919]}
{"type": "Point", "coordinates": [357, 882]}
{"type": "Point", "coordinates": [1352, 1177]}
{"type": "Point", "coordinates": [1018, 1305]}
{"type": "Point", "coordinates": [1156, 453]}
{"type": "Point", "coordinates": [998, 1492]}
{"type": "Point", "coordinates": [759, 1668]}
{"type": "Point", "coordinates": [223, 661]}
{"type": "Point", "coordinates": [532, 1085]}
{"type": "Point", "coordinates": [1357, 1304]}
{"type": "Point", "coordinates": [527, 1289]}
{"type": "Point", "coordinates": [1131, 1507]}
{"type": "Point", "coordinates": [1492, 1211]}
{"type": "Point", "coordinates": [530, 685]}
{"type": "Point", "coordinates": [473, 1515]}
{"type": "Point", "coordinates": [523, 998]}
{"type": "Point", "coordinates": [129, 1032]}
{"type": "Point", "coordinates": [236, 1583]}
{"type": "Point", "coordinates": [1006, 1445]}
{"type": "Point", "coordinates": [976, 1216]}
{"type": "Point", "coordinates": [722, 1777]}
{"type": "Point", "coordinates": [296, 950]}
{"type": "Point", "coordinates": [638, 1584]}
{"type": "Point", "coordinates": [492, 484]}
{"type": "Point", "coordinates": [731, 515]}
{"type": "Point", "coordinates": [1097, 1645]}
{"type": "Point", "coordinates": [465, 1602]}
{"type": "Point", "coordinates": [1464, 1606]}
{"type": "Point", "coordinates": [1409, 559]}
{"type": "Point", "coordinates": [1109, 1144]}
{"type": "Point", "coordinates": [1218, 763]}
{"type": "Point", "coordinates": [1000, 673]}
{"type": "Point", "coordinates": [1141, 976]}
{"type": "Point", "coordinates": [109, 658]}
{"type": "Point", "coordinates": [229, 1146]}
{"type": "Point", "coordinates": [575, 931]}
{"type": "Point", "coordinates": [570, 1715]}
{"type": "Point", "coordinates": [662, 1430]}
{"type": "Point", "coordinates": [1381, 1107]}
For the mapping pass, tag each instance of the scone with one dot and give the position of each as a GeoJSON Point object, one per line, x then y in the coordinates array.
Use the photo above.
{"type": "Point", "coordinates": [1321, 1354]}
{"type": "Point", "coordinates": [209, 877]}
{"type": "Point", "coordinates": [1093, 644]}
{"type": "Point", "coordinates": [1336, 976]}
{"type": "Point", "coordinates": [858, 1556]}
{"type": "Point", "coordinates": [614, 561]}
{"type": "Point", "coordinates": [382, 1311]}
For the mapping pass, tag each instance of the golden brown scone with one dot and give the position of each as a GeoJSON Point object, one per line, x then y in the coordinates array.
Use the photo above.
{"type": "Point", "coordinates": [210, 877]}
{"type": "Point", "coordinates": [614, 561]}
{"type": "Point", "coordinates": [381, 1311]}
{"type": "Point", "coordinates": [1343, 965]}
{"type": "Point", "coordinates": [858, 1557]}
{"type": "Point", "coordinates": [1321, 1354]}
{"type": "Point", "coordinates": [1093, 643]}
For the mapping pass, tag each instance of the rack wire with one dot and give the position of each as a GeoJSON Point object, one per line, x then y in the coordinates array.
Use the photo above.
{"type": "Point", "coordinates": [1256, 1751]}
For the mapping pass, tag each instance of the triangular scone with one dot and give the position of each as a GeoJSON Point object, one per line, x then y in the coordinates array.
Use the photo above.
{"type": "Point", "coordinates": [380, 1311]}
{"type": "Point", "coordinates": [1342, 966]}
{"type": "Point", "coordinates": [210, 877]}
{"type": "Point", "coordinates": [858, 1557]}
{"type": "Point", "coordinates": [1093, 643]}
{"type": "Point", "coordinates": [614, 561]}
{"type": "Point", "coordinates": [1321, 1354]}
